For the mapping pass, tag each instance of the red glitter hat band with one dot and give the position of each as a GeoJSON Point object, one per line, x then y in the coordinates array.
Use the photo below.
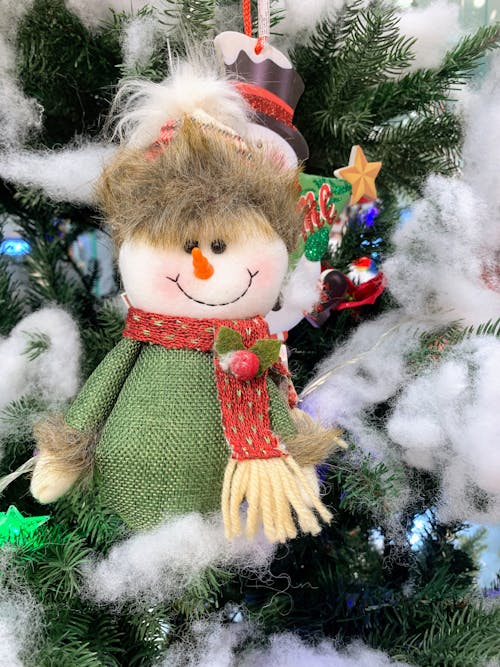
{"type": "Point", "coordinates": [268, 103]}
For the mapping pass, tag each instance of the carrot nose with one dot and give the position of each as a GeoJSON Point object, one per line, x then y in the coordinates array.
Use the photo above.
{"type": "Point", "coordinates": [202, 267]}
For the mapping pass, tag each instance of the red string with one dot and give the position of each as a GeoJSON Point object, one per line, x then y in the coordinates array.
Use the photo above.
{"type": "Point", "coordinates": [261, 42]}
{"type": "Point", "coordinates": [247, 17]}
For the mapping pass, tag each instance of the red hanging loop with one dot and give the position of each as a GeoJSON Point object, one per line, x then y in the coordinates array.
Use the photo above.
{"type": "Point", "coordinates": [247, 17]}
{"type": "Point", "coordinates": [259, 47]}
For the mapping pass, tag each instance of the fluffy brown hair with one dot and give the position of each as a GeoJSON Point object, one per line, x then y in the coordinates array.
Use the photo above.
{"type": "Point", "coordinates": [313, 443]}
{"type": "Point", "coordinates": [203, 185]}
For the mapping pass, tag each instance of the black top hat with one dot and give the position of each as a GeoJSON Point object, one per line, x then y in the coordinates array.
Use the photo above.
{"type": "Point", "coordinates": [269, 84]}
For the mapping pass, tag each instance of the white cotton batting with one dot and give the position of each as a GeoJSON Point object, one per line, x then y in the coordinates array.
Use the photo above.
{"type": "Point", "coordinates": [481, 151]}
{"type": "Point", "coordinates": [19, 621]}
{"type": "Point", "coordinates": [301, 17]}
{"type": "Point", "coordinates": [300, 20]}
{"type": "Point", "coordinates": [436, 29]}
{"type": "Point", "coordinates": [16, 628]}
{"type": "Point", "coordinates": [446, 258]}
{"type": "Point", "coordinates": [66, 175]}
{"type": "Point", "coordinates": [368, 369]}
{"type": "Point", "coordinates": [140, 39]}
{"type": "Point", "coordinates": [447, 421]}
{"type": "Point", "coordinates": [163, 562]}
{"type": "Point", "coordinates": [441, 254]}
{"type": "Point", "coordinates": [208, 643]}
{"type": "Point", "coordinates": [18, 113]}
{"type": "Point", "coordinates": [288, 650]}
{"type": "Point", "coordinates": [212, 644]}
{"type": "Point", "coordinates": [95, 14]}
{"type": "Point", "coordinates": [54, 374]}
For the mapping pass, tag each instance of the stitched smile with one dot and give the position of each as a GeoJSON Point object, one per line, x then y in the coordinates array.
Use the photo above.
{"type": "Point", "coordinates": [227, 303]}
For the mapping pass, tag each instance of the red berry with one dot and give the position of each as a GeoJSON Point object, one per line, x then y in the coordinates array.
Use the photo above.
{"type": "Point", "coordinates": [244, 365]}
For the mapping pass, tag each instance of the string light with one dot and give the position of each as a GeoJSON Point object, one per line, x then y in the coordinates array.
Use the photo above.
{"type": "Point", "coordinates": [14, 247]}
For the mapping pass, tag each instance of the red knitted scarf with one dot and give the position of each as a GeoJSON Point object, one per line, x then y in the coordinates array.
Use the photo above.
{"type": "Point", "coordinates": [244, 404]}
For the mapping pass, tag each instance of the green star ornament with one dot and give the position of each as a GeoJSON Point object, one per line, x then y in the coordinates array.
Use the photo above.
{"type": "Point", "coordinates": [18, 529]}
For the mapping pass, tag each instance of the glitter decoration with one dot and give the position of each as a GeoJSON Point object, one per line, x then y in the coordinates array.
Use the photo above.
{"type": "Point", "coordinates": [317, 244]}
{"type": "Point", "coordinates": [264, 101]}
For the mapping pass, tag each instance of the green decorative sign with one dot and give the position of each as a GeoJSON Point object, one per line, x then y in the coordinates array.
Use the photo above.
{"type": "Point", "coordinates": [323, 200]}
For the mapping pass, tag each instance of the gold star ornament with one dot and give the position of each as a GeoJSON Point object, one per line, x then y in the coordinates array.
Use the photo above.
{"type": "Point", "coordinates": [361, 174]}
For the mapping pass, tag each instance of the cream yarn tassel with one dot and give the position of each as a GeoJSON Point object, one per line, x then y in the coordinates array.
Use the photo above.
{"type": "Point", "coordinates": [272, 488]}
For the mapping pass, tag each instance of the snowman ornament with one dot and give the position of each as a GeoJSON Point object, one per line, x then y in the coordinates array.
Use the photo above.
{"type": "Point", "coordinates": [186, 413]}
{"type": "Point", "coordinates": [272, 88]}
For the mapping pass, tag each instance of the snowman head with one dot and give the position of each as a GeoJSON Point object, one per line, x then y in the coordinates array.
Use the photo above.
{"type": "Point", "coordinates": [204, 223]}
{"type": "Point", "coordinates": [221, 275]}
{"type": "Point", "coordinates": [268, 82]}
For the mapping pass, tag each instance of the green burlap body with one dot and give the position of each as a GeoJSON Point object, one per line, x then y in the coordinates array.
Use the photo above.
{"type": "Point", "coordinates": [162, 450]}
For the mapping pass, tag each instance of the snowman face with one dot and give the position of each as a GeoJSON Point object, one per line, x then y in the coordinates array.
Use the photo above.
{"type": "Point", "coordinates": [233, 279]}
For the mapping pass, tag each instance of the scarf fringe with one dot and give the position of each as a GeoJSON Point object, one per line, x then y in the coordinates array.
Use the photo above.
{"type": "Point", "coordinates": [273, 488]}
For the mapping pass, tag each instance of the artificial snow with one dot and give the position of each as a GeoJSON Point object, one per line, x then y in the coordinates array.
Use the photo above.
{"type": "Point", "coordinates": [65, 175]}
{"type": "Point", "coordinates": [288, 650]}
{"type": "Point", "coordinates": [435, 28]}
{"type": "Point", "coordinates": [19, 620]}
{"type": "Point", "coordinates": [95, 14]}
{"type": "Point", "coordinates": [443, 271]}
{"type": "Point", "coordinates": [211, 644]}
{"type": "Point", "coordinates": [14, 629]}
{"type": "Point", "coordinates": [441, 255]}
{"type": "Point", "coordinates": [163, 562]}
{"type": "Point", "coordinates": [140, 39]}
{"type": "Point", "coordinates": [18, 113]}
{"type": "Point", "coordinates": [447, 255]}
{"type": "Point", "coordinates": [480, 106]}
{"type": "Point", "coordinates": [446, 421]}
{"type": "Point", "coordinates": [54, 375]}
{"type": "Point", "coordinates": [366, 370]}
{"type": "Point", "coordinates": [301, 18]}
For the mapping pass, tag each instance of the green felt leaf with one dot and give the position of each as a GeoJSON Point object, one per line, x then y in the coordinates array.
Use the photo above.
{"type": "Point", "coordinates": [268, 351]}
{"type": "Point", "coordinates": [228, 340]}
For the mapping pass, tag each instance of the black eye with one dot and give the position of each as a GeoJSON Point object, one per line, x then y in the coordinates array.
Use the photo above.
{"type": "Point", "coordinates": [218, 246]}
{"type": "Point", "coordinates": [189, 245]}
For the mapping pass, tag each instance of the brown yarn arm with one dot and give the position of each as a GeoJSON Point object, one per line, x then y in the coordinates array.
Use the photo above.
{"type": "Point", "coordinates": [313, 443]}
{"type": "Point", "coordinates": [62, 447]}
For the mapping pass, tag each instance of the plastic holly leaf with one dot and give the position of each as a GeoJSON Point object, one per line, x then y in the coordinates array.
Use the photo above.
{"type": "Point", "coordinates": [18, 529]}
{"type": "Point", "coordinates": [268, 351]}
{"type": "Point", "coordinates": [228, 340]}
{"type": "Point", "coordinates": [317, 244]}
